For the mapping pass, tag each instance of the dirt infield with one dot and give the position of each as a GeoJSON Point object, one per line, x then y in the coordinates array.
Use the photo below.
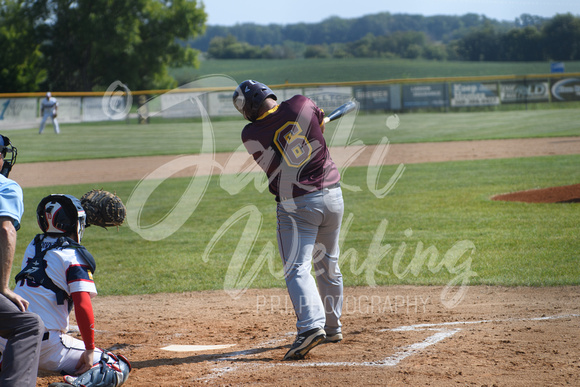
{"type": "Point", "coordinates": [394, 335]}
{"type": "Point", "coordinates": [135, 168]}
{"type": "Point", "coordinates": [400, 336]}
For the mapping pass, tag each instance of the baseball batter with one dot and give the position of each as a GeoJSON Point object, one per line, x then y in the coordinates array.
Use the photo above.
{"type": "Point", "coordinates": [287, 141]}
{"type": "Point", "coordinates": [48, 109]}
{"type": "Point", "coordinates": [57, 274]}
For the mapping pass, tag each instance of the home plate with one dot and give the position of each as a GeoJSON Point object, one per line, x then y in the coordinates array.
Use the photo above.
{"type": "Point", "coordinates": [194, 348]}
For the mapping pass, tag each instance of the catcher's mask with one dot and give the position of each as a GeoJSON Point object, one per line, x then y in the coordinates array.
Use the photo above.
{"type": "Point", "coordinates": [249, 96]}
{"type": "Point", "coordinates": [59, 215]}
{"type": "Point", "coordinates": [9, 153]}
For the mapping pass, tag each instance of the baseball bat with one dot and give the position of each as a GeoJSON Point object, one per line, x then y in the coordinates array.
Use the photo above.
{"type": "Point", "coordinates": [340, 111]}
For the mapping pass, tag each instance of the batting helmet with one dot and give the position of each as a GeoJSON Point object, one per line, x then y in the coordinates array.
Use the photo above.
{"type": "Point", "coordinates": [249, 96]}
{"type": "Point", "coordinates": [7, 150]}
{"type": "Point", "coordinates": [61, 215]}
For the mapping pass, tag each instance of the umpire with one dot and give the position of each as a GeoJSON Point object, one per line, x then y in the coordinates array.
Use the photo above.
{"type": "Point", "coordinates": [22, 329]}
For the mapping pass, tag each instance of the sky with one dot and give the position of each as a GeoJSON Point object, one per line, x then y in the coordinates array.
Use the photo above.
{"type": "Point", "coordinates": [231, 12]}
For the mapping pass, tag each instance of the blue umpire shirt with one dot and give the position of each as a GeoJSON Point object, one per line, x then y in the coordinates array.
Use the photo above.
{"type": "Point", "coordinates": [11, 200]}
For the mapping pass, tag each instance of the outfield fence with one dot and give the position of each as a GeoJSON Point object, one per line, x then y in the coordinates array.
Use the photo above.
{"type": "Point", "coordinates": [22, 110]}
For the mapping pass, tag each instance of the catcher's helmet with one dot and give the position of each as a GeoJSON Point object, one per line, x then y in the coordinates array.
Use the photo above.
{"type": "Point", "coordinates": [59, 215]}
{"type": "Point", "coordinates": [249, 96]}
{"type": "Point", "coordinates": [9, 153]}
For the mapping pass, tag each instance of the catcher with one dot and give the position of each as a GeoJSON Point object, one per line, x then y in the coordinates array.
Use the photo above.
{"type": "Point", "coordinates": [57, 275]}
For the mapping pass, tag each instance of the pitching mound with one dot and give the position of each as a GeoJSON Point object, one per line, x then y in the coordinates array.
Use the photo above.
{"type": "Point", "coordinates": [563, 194]}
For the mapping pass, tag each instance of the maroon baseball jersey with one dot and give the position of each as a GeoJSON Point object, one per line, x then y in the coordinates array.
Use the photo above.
{"type": "Point", "coordinates": [289, 146]}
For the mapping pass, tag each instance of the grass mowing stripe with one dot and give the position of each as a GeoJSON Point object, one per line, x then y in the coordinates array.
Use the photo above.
{"type": "Point", "coordinates": [169, 137]}
{"type": "Point", "coordinates": [435, 206]}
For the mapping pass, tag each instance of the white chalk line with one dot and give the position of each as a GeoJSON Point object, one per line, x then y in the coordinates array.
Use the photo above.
{"type": "Point", "coordinates": [424, 326]}
{"type": "Point", "coordinates": [392, 360]}
{"type": "Point", "coordinates": [442, 333]}
{"type": "Point", "coordinates": [195, 348]}
{"type": "Point", "coordinates": [220, 371]}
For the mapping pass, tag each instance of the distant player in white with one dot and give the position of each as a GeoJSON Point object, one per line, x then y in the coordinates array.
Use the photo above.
{"type": "Point", "coordinates": [57, 274]}
{"type": "Point", "coordinates": [48, 109]}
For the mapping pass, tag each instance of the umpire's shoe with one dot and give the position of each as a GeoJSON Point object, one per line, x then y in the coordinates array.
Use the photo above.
{"type": "Point", "coordinates": [304, 343]}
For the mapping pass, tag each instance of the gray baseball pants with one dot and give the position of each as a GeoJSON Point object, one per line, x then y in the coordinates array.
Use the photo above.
{"type": "Point", "coordinates": [308, 230]}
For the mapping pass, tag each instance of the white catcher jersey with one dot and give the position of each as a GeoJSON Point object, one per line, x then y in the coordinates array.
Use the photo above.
{"type": "Point", "coordinates": [48, 105]}
{"type": "Point", "coordinates": [68, 270]}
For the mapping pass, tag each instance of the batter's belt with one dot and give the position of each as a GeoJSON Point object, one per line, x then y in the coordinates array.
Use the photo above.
{"type": "Point", "coordinates": [332, 186]}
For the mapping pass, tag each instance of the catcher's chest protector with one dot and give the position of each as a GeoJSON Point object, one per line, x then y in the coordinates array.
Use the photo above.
{"type": "Point", "coordinates": [35, 271]}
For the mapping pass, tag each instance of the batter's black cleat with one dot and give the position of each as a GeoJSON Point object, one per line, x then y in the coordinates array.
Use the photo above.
{"type": "Point", "coordinates": [304, 343]}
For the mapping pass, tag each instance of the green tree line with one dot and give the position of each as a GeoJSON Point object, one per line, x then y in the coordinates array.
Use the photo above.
{"type": "Point", "coordinates": [339, 30]}
{"type": "Point", "coordinates": [469, 37]}
{"type": "Point", "coordinates": [85, 45]}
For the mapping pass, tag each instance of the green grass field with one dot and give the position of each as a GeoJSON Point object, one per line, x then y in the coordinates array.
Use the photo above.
{"type": "Point", "coordinates": [94, 141]}
{"type": "Point", "coordinates": [278, 72]}
{"type": "Point", "coordinates": [436, 226]}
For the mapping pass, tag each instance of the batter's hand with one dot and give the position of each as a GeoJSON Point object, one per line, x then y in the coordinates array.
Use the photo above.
{"type": "Point", "coordinates": [20, 302]}
{"type": "Point", "coordinates": [86, 361]}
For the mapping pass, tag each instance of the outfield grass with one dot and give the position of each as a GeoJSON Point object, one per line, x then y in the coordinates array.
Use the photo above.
{"type": "Point", "coordinates": [407, 237]}
{"type": "Point", "coordinates": [106, 140]}
{"type": "Point", "coordinates": [432, 209]}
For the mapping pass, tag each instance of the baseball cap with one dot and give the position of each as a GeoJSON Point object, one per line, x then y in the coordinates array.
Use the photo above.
{"type": "Point", "coordinates": [2, 141]}
{"type": "Point", "coordinates": [48, 94]}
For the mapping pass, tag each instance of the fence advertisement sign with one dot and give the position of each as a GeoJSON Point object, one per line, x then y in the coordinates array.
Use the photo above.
{"type": "Point", "coordinates": [329, 98]}
{"type": "Point", "coordinates": [524, 91]}
{"type": "Point", "coordinates": [17, 111]}
{"type": "Point", "coordinates": [378, 97]}
{"type": "Point", "coordinates": [220, 105]}
{"type": "Point", "coordinates": [69, 109]}
{"type": "Point", "coordinates": [425, 96]}
{"type": "Point", "coordinates": [474, 94]}
{"type": "Point", "coordinates": [567, 89]}
{"type": "Point", "coordinates": [556, 67]}
{"type": "Point", "coordinates": [372, 97]}
{"type": "Point", "coordinates": [181, 104]}
{"type": "Point", "coordinates": [93, 110]}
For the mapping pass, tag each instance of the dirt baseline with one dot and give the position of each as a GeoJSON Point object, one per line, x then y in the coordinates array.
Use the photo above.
{"type": "Point", "coordinates": [395, 335]}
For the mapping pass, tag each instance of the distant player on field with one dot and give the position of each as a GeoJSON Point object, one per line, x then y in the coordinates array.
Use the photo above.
{"type": "Point", "coordinates": [49, 109]}
{"type": "Point", "coordinates": [287, 141]}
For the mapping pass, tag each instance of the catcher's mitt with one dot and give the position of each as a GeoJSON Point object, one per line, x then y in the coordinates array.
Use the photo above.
{"type": "Point", "coordinates": [103, 208]}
